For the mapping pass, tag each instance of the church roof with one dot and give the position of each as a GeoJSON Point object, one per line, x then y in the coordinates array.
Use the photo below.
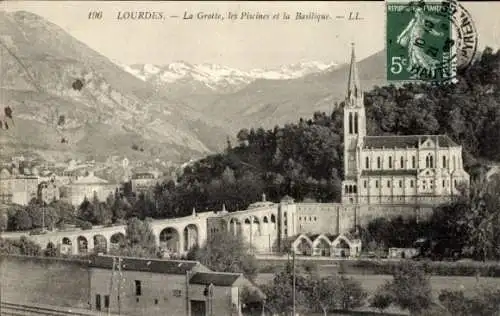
{"type": "Point", "coordinates": [411, 141]}
{"type": "Point", "coordinates": [401, 172]}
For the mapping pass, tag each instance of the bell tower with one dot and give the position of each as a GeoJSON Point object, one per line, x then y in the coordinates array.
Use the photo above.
{"type": "Point", "coordinates": [354, 131]}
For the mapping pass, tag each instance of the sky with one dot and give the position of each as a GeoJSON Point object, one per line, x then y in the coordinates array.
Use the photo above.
{"type": "Point", "coordinates": [243, 44]}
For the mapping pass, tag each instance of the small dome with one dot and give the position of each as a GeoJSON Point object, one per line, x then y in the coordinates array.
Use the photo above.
{"type": "Point", "coordinates": [287, 199]}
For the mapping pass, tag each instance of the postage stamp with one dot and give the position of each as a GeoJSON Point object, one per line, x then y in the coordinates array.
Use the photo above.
{"type": "Point", "coordinates": [428, 41]}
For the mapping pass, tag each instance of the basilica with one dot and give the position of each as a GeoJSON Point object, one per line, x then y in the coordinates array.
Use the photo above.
{"type": "Point", "coordinates": [395, 169]}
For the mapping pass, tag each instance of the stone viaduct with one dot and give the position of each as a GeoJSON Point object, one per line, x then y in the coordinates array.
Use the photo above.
{"type": "Point", "coordinates": [177, 235]}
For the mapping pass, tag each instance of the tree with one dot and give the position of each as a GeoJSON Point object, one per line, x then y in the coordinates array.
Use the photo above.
{"type": "Point", "coordinates": [65, 211]}
{"type": "Point", "coordinates": [279, 292]}
{"type": "Point", "coordinates": [86, 211]}
{"type": "Point", "coordinates": [351, 293]}
{"type": "Point", "coordinates": [411, 288]}
{"type": "Point", "coordinates": [455, 302]}
{"type": "Point", "coordinates": [323, 292]}
{"type": "Point", "coordinates": [102, 213]}
{"type": "Point", "coordinates": [382, 298]}
{"type": "Point", "coordinates": [483, 219]}
{"type": "Point", "coordinates": [484, 302]}
{"type": "Point", "coordinates": [143, 207]}
{"type": "Point", "coordinates": [21, 246]}
{"type": "Point", "coordinates": [23, 220]}
{"type": "Point", "coordinates": [140, 240]}
{"type": "Point", "coordinates": [120, 209]}
{"type": "Point", "coordinates": [51, 217]}
{"type": "Point", "coordinates": [225, 252]}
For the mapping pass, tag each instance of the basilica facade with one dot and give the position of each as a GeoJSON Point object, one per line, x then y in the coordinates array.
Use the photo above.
{"type": "Point", "coordinates": [395, 169]}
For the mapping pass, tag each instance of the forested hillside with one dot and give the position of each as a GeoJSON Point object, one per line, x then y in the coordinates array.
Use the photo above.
{"type": "Point", "coordinates": [304, 160]}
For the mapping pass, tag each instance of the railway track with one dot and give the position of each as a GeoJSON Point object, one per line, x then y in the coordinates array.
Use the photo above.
{"type": "Point", "coordinates": [16, 309]}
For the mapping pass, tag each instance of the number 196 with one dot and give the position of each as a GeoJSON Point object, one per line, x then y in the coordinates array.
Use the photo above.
{"type": "Point", "coordinates": [95, 15]}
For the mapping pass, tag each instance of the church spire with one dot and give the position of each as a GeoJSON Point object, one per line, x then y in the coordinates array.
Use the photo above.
{"type": "Point", "coordinates": [353, 86]}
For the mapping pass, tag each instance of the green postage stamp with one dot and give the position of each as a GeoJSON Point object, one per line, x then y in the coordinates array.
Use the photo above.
{"type": "Point", "coordinates": [428, 41]}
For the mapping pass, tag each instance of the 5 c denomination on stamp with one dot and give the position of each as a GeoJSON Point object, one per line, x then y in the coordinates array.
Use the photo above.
{"type": "Point", "coordinates": [428, 41]}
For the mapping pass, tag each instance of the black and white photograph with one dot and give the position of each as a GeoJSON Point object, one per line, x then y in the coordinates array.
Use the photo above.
{"type": "Point", "coordinates": [250, 158]}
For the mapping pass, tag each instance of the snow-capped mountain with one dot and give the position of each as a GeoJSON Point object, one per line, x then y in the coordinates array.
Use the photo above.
{"type": "Point", "coordinates": [217, 78]}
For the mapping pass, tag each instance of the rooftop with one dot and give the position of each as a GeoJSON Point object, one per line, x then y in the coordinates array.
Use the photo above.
{"type": "Point", "coordinates": [146, 265]}
{"type": "Point", "coordinates": [215, 278]}
{"type": "Point", "coordinates": [411, 141]}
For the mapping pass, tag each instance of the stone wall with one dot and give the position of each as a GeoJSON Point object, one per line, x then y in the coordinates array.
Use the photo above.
{"type": "Point", "coordinates": [340, 218]}
{"type": "Point", "coordinates": [44, 281]}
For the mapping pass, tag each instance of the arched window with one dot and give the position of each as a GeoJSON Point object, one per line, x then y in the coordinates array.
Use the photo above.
{"type": "Point", "coordinates": [444, 161]}
{"type": "Point", "coordinates": [427, 162]}
{"type": "Point", "coordinates": [355, 189]}
{"type": "Point", "coordinates": [431, 161]}
{"type": "Point", "coordinates": [346, 189]}
{"type": "Point", "coordinates": [350, 123]}
{"type": "Point", "coordinates": [401, 162]}
{"type": "Point", "coordinates": [413, 162]}
{"type": "Point", "coordinates": [390, 162]}
{"type": "Point", "coordinates": [367, 163]}
{"type": "Point", "coordinates": [378, 162]}
{"type": "Point", "coordinates": [355, 123]}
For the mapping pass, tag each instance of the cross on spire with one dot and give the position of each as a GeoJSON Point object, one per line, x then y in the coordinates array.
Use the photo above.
{"type": "Point", "coordinates": [353, 86]}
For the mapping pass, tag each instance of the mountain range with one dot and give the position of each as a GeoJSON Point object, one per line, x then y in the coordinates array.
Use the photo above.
{"type": "Point", "coordinates": [259, 97]}
{"type": "Point", "coordinates": [68, 99]}
{"type": "Point", "coordinates": [182, 78]}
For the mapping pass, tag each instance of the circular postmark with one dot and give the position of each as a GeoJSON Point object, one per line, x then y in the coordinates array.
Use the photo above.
{"type": "Point", "coordinates": [465, 38]}
{"type": "Point", "coordinates": [432, 41]}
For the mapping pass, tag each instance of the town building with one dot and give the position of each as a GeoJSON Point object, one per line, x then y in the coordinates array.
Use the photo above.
{"type": "Point", "coordinates": [16, 187]}
{"type": "Point", "coordinates": [395, 169]}
{"type": "Point", "coordinates": [143, 182]}
{"type": "Point", "coordinates": [134, 286]}
{"type": "Point", "coordinates": [88, 187]}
